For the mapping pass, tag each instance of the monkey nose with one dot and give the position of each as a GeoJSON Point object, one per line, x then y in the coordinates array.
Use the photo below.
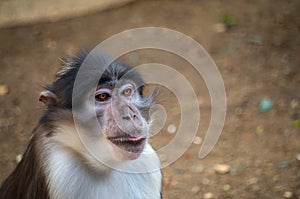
{"type": "Point", "coordinates": [130, 116]}
{"type": "Point", "coordinates": [134, 117]}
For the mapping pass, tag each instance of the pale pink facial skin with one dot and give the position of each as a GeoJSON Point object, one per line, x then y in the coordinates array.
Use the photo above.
{"type": "Point", "coordinates": [122, 123]}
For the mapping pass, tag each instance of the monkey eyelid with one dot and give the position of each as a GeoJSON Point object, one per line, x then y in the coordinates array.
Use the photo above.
{"type": "Point", "coordinates": [127, 86]}
{"type": "Point", "coordinates": [127, 90]}
{"type": "Point", "coordinates": [103, 90]}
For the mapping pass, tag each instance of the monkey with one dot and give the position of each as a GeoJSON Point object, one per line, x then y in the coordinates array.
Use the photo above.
{"type": "Point", "coordinates": [57, 164]}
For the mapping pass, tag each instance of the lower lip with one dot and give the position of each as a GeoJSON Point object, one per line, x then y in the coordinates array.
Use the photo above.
{"type": "Point", "coordinates": [135, 139]}
{"type": "Point", "coordinates": [131, 147]}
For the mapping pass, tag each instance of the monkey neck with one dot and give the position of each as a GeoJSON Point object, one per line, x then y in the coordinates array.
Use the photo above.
{"type": "Point", "coordinates": [69, 178]}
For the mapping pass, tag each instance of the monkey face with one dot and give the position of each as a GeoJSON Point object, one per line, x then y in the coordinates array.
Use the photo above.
{"type": "Point", "coordinates": [121, 120]}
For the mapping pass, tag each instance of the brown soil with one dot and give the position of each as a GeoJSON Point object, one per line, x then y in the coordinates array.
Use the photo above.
{"type": "Point", "coordinates": [258, 58]}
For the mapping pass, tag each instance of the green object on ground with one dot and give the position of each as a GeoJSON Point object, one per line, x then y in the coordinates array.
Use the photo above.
{"type": "Point", "coordinates": [227, 19]}
{"type": "Point", "coordinates": [296, 123]}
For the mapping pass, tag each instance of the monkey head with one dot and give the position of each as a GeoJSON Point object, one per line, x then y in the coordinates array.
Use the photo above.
{"type": "Point", "coordinates": [114, 114]}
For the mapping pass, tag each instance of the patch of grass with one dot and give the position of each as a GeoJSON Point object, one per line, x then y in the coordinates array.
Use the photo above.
{"type": "Point", "coordinates": [227, 19]}
{"type": "Point", "coordinates": [296, 124]}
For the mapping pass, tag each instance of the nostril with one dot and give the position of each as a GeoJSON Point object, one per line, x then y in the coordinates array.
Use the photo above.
{"type": "Point", "coordinates": [134, 117]}
{"type": "Point", "coordinates": [132, 114]}
{"type": "Point", "coordinates": [129, 117]}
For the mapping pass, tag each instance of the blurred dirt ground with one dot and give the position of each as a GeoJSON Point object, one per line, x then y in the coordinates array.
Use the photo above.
{"type": "Point", "coordinates": [19, 12]}
{"type": "Point", "coordinates": [258, 58]}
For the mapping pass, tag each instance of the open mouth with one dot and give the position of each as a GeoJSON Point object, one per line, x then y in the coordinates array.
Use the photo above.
{"type": "Point", "coordinates": [133, 144]}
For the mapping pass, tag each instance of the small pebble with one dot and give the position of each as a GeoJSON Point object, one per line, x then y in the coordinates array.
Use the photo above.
{"type": "Point", "coordinates": [298, 156]}
{"type": "Point", "coordinates": [197, 169]}
{"type": "Point", "coordinates": [19, 158]}
{"type": "Point", "coordinates": [3, 90]}
{"type": "Point", "coordinates": [287, 194]}
{"type": "Point", "coordinates": [171, 128]}
{"type": "Point", "coordinates": [222, 168]}
{"type": "Point", "coordinates": [220, 27]}
{"type": "Point", "coordinates": [294, 103]}
{"type": "Point", "coordinates": [197, 140]}
{"type": "Point", "coordinates": [252, 181]}
{"type": "Point", "coordinates": [205, 181]}
{"type": "Point", "coordinates": [256, 39]}
{"type": "Point", "coordinates": [208, 195]}
{"type": "Point", "coordinates": [226, 187]}
{"type": "Point", "coordinates": [195, 189]}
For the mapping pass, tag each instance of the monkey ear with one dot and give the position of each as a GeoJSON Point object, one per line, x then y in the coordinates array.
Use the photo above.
{"type": "Point", "coordinates": [48, 98]}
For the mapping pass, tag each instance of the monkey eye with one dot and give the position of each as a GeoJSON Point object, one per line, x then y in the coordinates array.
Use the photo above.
{"type": "Point", "coordinates": [127, 92]}
{"type": "Point", "coordinates": [102, 96]}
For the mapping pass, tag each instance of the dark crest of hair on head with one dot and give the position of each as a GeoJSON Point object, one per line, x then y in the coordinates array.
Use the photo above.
{"type": "Point", "coordinates": [63, 85]}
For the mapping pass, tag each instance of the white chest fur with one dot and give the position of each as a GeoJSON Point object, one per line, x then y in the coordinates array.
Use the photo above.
{"type": "Point", "coordinates": [70, 180]}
